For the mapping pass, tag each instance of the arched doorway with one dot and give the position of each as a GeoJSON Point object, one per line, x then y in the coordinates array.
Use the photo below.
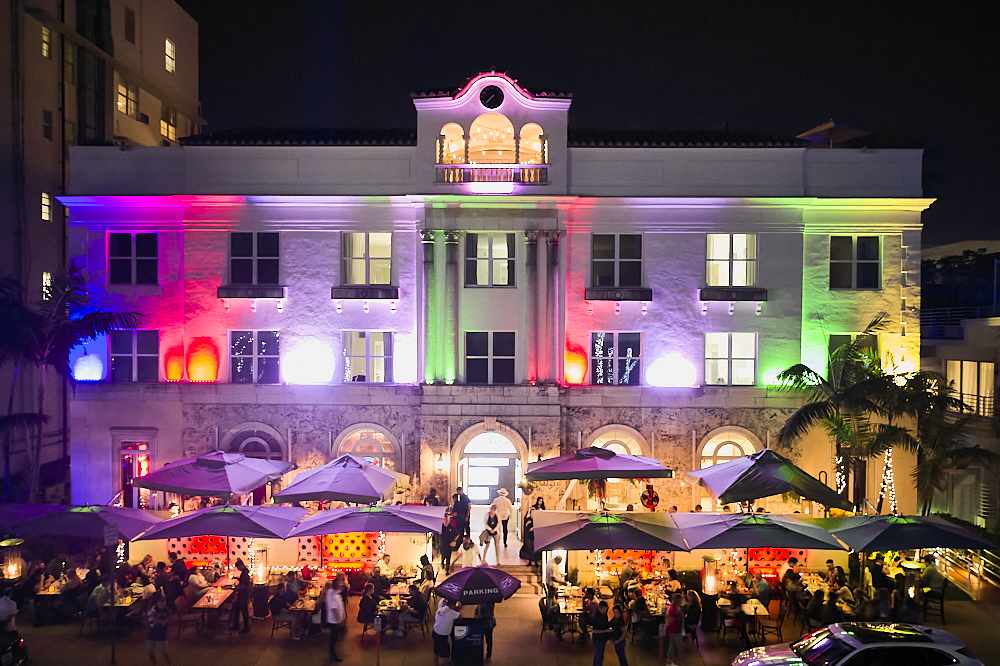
{"type": "Point", "coordinates": [369, 441]}
{"type": "Point", "coordinates": [623, 441]}
{"type": "Point", "coordinates": [722, 445]}
{"type": "Point", "coordinates": [255, 440]}
{"type": "Point", "coordinates": [486, 457]}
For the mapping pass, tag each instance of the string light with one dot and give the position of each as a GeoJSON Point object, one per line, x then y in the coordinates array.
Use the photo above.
{"type": "Point", "coordinates": [381, 544]}
{"type": "Point", "coordinates": [888, 486]}
{"type": "Point", "coordinates": [120, 552]}
{"type": "Point", "coordinates": [841, 477]}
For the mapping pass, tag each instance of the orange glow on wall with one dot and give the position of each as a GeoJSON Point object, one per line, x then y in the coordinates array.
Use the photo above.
{"type": "Point", "coordinates": [350, 547]}
{"type": "Point", "coordinates": [576, 363]}
{"type": "Point", "coordinates": [173, 364]}
{"type": "Point", "coordinates": [203, 360]}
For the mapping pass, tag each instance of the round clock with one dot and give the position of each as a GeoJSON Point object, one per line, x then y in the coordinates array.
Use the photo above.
{"type": "Point", "coordinates": [491, 97]}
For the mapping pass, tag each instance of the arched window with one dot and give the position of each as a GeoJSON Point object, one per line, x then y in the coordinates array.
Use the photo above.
{"type": "Point", "coordinates": [727, 444]}
{"type": "Point", "coordinates": [531, 149]}
{"type": "Point", "coordinates": [452, 148]}
{"type": "Point", "coordinates": [620, 439]}
{"type": "Point", "coordinates": [490, 442]}
{"type": "Point", "coordinates": [254, 442]}
{"type": "Point", "coordinates": [491, 140]}
{"type": "Point", "coordinates": [370, 442]}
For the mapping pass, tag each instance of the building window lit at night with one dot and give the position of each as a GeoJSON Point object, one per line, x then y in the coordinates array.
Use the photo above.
{"type": "Point", "coordinates": [368, 356]}
{"type": "Point", "coordinates": [731, 260]}
{"type": "Point", "coordinates": [489, 260]}
{"type": "Point", "coordinates": [46, 207]}
{"type": "Point", "coordinates": [367, 258]}
{"type": "Point", "coordinates": [254, 357]}
{"type": "Point", "coordinates": [615, 358]}
{"type": "Point", "coordinates": [730, 359]}
{"type": "Point", "coordinates": [170, 53]}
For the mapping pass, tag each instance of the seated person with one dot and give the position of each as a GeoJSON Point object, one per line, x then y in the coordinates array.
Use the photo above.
{"type": "Point", "coordinates": [762, 589]}
{"type": "Point", "coordinates": [367, 605]}
{"type": "Point", "coordinates": [100, 596]}
{"type": "Point", "coordinates": [830, 611]}
{"type": "Point", "coordinates": [831, 572]}
{"type": "Point", "coordinates": [931, 578]}
{"type": "Point", "coordinates": [144, 568]}
{"type": "Point", "coordinates": [426, 568]}
{"type": "Point", "coordinates": [843, 593]}
{"type": "Point", "coordinates": [383, 568]}
{"type": "Point", "coordinates": [814, 606]}
{"type": "Point", "coordinates": [197, 586]}
{"type": "Point", "coordinates": [306, 572]}
{"type": "Point", "coordinates": [588, 609]}
{"type": "Point", "coordinates": [627, 573]}
{"type": "Point", "coordinates": [292, 586]}
{"type": "Point", "coordinates": [791, 581]}
{"type": "Point", "coordinates": [427, 584]}
{"type": "Point", "coordinates": [550, 610]}
{"type": "Point", "coordinates": [673, 583]}
{"type": "Point", "coordinates": [637, 606]}
{"type": "Point", "coordinates": [839, 577]}
{"type": "Point", "coordinates": [880, 576]}
{"type": "Point", "coordinates": [417, 607]}
{"type": "Point", "coordinates": [279, 602]}
{"type": "Point", "coordinates": [381, 584]}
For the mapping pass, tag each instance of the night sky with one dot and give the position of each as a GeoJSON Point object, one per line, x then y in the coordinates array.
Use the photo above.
{"type": "Point", "coordinates": [917, 74]}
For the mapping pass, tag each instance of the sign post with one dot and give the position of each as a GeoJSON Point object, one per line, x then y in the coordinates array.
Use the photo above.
{"type": "Point", "coordinates": [111, 541]}
{"type": "Point", "coordinates": [378, 641]}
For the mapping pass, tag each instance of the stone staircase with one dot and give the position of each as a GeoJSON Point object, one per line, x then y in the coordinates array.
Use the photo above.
{"type": "Point", "coordinates": [531, 579]}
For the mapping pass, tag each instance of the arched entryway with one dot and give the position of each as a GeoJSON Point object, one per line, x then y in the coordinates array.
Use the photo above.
{"type": "Point", "coordinates": [486, 457]}
{"type": "Point", "coordinates": [624, 441]}
{"type": "Point", "coordinates": [722, 445]}
{"type": "Point", "coordinates": [255, 440]}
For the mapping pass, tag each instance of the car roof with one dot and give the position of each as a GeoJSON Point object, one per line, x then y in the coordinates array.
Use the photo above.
{"type": "Point", "coordinates": [860, 634]}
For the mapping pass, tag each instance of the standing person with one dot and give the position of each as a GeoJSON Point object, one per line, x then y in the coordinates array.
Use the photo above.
{"type": "Point", "coordinates": [674, 620]}
{"type": "Point", "coordinates": [528, 542]}
{"type": "Point", "coordinates": [553, 574]}
{"type": "Point", "coordinates": [618, 635]}
{"type": "Point", "coordinates": [444, 622]}
{"type": "Point", "coordinates": [432, 498]}
{"type": "Point", "coordinates": [492, 533]}
{"type": "Point", "coordinates": [600, 631]}
{"type": "Point", "coordinates": [159, 620]}
{"type": "Point", "coordinates": [488, 613]}
{"type": "Point", "coordinates": [539, 503]}
{"type": "Point", "coordinates": [333, 599]}
{"type": "Point", "coordinates": [463, 511]}
{"type": "Point", "coordinates": [242, 604]}
{"type": "Point", "coordinates": [178, 566]}
{"type": "Point", "coordinates": [503, 507]}
{"type": "Point", "coordinates": [469, 553]}
{"type": "Point", "coordinates": [8, 612]}
{"type": "Point", "coordinates": [448, 536]}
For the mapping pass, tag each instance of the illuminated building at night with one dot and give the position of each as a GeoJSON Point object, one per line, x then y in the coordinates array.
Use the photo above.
{"type": "Point", "coordinates": [491, 288]}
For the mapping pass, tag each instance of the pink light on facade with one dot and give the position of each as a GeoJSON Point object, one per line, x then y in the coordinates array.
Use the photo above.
{"type": "Point", "coordinates": [483, 75]}
{"type": "Point", "coordinates": [203, 360]}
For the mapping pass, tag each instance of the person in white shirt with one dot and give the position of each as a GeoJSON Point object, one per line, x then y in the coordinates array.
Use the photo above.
{"type": "Point", "coordinates": [503, 507]}
{"type": "Point", "coordinates": [553, 572]}
{"type": "Point", "coordinates": [333, 598]}
{"type": "Point", "coordinates": [197, 585]}
{"type": "Point", "coordinates": [469, 553]}
{"type": "Point", "coordinates": [383, 566]}
{"type": "Point", "coordinates": [8, 612]}
{"type": "Point", "coordinates": [444, 622]}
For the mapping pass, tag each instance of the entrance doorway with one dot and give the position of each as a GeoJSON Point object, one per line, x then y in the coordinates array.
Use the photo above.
{"type": "Point", "coordinates": [489, 461]}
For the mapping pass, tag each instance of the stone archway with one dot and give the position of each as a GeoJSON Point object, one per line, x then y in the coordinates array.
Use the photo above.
{"type": "Point", "coordinates": [620, 438]}
{"type": "Point", "coordinates": [482, 432]}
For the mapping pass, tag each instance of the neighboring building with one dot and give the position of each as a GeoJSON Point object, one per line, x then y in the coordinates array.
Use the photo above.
{"type": "Point", "coordinates": [456, 301]}
{"type": "Point", "coordinates": [97, 72]}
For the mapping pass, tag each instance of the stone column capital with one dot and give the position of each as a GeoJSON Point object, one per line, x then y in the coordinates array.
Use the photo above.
{"type": "Point", "coordinates": [552, 236]}
{"type": "Point", "coordinates": [530, 236]}
{"type": "Point", "coordinates": [426, 235]}
{"type": "Point", "coordinates": [451, 237]}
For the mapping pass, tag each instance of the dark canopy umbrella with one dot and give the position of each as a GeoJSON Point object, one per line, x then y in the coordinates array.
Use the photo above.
{"type": "Point", "coordinates": [478, 585]}
{"type": "Point", "coordinates": [597, 463]}
{"type": "Point", "coordinates": [877, 533]}
{"type": "Point", "coordinates": [11, 514]}
{"type": "Point", "coordinates": [763, 474]}
{"type": "Point", "coordinates": [89, 522]}
{"type": "Point", "coordinates": [571, 530]}
{"type": "Point", "coordinates": [399, 519]}
{"type": "Point", "coordinates": [752, 530]}
{"type": "Point", "coordinates": [348, 479]}
{"type": "Point", "coordinates": [216, 474]}
{"type": "Point", "coordinates": [268, 522]}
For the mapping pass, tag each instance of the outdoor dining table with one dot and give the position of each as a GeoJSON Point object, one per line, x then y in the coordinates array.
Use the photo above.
{"type": "Point", "coordinates": [390, 610]}
{"type": "Point", "coordinates": [303, 609]}
{"type": "Point", "coordinates": [212, 601]}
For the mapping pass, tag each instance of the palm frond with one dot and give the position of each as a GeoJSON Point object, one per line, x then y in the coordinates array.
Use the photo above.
{"type": "Point", "coordinates": [21, 421]}
{"type": "Point", "coordinates": [804, 419]}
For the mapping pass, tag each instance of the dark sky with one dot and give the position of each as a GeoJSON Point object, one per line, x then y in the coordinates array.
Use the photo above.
{"type": "Point", "coordinates": [916, 74]}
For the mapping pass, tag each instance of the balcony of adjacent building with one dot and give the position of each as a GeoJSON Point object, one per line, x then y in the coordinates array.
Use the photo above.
{"type": "Point", "coordinates": [946, 323]}
{"type": "Point", "coordinates": [492, 152]}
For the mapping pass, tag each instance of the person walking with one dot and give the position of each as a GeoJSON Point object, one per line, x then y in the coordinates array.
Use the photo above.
{"type": "Point", "coordinates": [600, 632]}
{"type": "Point", "coordinates": [449, 535]}
{"type": "Point", "coordinates": [528, 542]}
{"type": "Point", "coordinates": [159, 621]}
{"type": "Point", "coordinates": [492, 533]}
{"type": "Point", "coordinates": [242, 604]}
{"type": "Point", "coordinates": [487, 612]}
{"type": "Point", "coordinates": [463, 511]}
{"type": "Point", "coordinates": [469, 553]}
{"type": "Point", "coordinates": [444, 622]}
{"type": "Point", "coordinates": [503, 507]}
{"type": "Point", "coordinates": [618, 634]}
{"type": "Point", "coordinates": [674, 619]}
{"type": "Point", "coordinates": [333, 599]}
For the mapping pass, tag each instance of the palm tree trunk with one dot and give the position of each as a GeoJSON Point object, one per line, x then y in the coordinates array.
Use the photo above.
{"type": "Point", "coordinates": [7, 437]}
{"type": "Point", "coordinates": [36, 459]}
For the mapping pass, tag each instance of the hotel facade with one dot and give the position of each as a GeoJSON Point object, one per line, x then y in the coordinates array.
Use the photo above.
{"type": "Point", "coordinates": [456, 301]}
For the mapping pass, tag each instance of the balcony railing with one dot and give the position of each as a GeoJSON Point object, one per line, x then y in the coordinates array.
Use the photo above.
{"type": "Point", "coordinates": [525, 174]}
{"type": "Point", "coordinates": [946, 323]}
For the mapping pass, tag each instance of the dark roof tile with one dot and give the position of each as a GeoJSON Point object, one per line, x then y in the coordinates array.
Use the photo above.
{"type": "Point", "coordinates": [310, 136]}
{"type": "Point", "coordinates": [679, 139]}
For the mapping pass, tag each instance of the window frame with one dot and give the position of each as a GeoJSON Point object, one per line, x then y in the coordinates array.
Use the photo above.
{"type": "Point", "coordinates": [977, 403]}
{"type": "Point", "coordinates": [617, 261]}
{"type": "Point", "coordinates": [130, 94]}
{"type": "Point", "coordinates": [134, 355]}
{"type": "Point", "coordinates": [598, 367]}
{"type": "Point", "coordinates": [255, 258]}
{"type": "Point", "coordinates": [511, 239]}
{"type": "Point", "coordinates": [168, 123]}
{"type": "Point", "coordinates": [48, 123]}
{"type": "Point", "coordinates": [46, 286]}
{"type": "Point", "coordinates": [729, 358]}
{"type": "Point", "coordinates": [491, 359]}
{"type": "Point", "coordinates": [368, 356]}
{"type": "Point", "coordinates": [46, 42]}
{"type": "Point", "coordinates": [46, 212]}
{"type": "Point", "coordinates": [731, 261]}
{"type": "Point", "coordinates": [255, 356]}
{"type": "Point", "coordinates": [134, 259]}
{"type": "Point", "coordinates": [137, 436]}
{"type": "Point", "coordinates": [367, 258]}
{"type": "Point", "coordinates": [170, 56]}
{"type": "Point", "coordinates": [128, 24]}
{"type": "Point", "coordinates": [854, 263]}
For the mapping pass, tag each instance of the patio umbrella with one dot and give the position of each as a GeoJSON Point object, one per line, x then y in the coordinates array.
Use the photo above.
{"type": "Point", "coordinates": [268, 522]}
{"type": "Point", "coordinates": [752, 530]}
{"type": "Point", "coordinates": [763, 474]}
{"type": "Point", "coordinates": [399, 519]}
{"type": "Point", "coordinates": [89, 521]}
{"type": "Point", "coordinates": [831, 133]}
{"type": "Point", "coordinates": [478, 585]}
{"type": "Point", "coordinates": [876, 533]}
{"type": "Point", "coordinates": [216, 474]}
{"type": "Point", "coordinates": [348, 479]}
{"type": "Point", "coordinates": [15, 513]}
{"type": "Point", "coordinates": [571, 530]}
{"type": "Point", "coordinates": [597, 463]}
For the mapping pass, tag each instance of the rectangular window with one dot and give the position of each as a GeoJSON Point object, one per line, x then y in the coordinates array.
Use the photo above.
{"type": "Point", "coordinates": [128, 99]}
{"type": "Point", "coordinates": [46, 286]}
{"type": "Point", "coordinates": [489, 260]}
{"type": "Point", "coordinates": [855, 262]}
{"type": "Point", "coordinates": [617, 260]}
{"type": "Point", "coordinates": [47, 124]}
{"type": "Point", "coordinates": [368, 356]}
{"type": "Point", "coordinates": [731, 260]}
{"type": "Point", "coordinates": [253, 258]}
{"type": "Point", "coordinates": [168, 123]}
{"type": "Point", "coordinates": [253, 357]}
{"type": "Point", "coordinates": [135, 356]}
{"type": "Point", "coordinates": [730, 359]}
{"type": "Point", "coordinates": [69, 65]}
{"type": "Point", "coordinates": [171, 56]}
{"type": "Point", "coordinates": [489, 357]}
{"type": "Point", "coordinates": [130, 25]}
{"type": "Point", "coordinates": [46, 207]}
{"type": "Point", "coordinates": [615, 358]}
{"type": "Point", "coordinates": [46, 42]}
{"type": "Point", "coordinates": [69, 133]}
{"type": "Point", "coordinates": [973, 383]}
{"type": "Point", "coordinates": [132, 258]}
{"type": "Point", "coordinates": [367, 258]}
{"type": "Point", "coordinates": [135, 460]}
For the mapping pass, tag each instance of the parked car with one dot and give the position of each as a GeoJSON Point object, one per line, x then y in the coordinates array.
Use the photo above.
{"type": "Point", "coordinates": [865, 644]}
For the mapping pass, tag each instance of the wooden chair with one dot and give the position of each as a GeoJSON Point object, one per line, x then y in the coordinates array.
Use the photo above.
{"type": "Point", "coordinates": [770, 626]}
{"type": "Point", "coordinates": [934, 602]}
{"type": "Point", "coordinates": [546, 624]}
{"type": "Point", "coordinates": [185, 617]}
{"type": "Point", "coordinates": [282, 619]}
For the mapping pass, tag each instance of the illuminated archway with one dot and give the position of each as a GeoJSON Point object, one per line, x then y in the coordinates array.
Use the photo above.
{"type": "Point", "coordinates": [530, 147]}
{"type": "Point", "coordinates": [491, 140]}
{"type": "Point", "coordinates": [722, 445]}
{"type": "Point", "coordinates": [369, 441]}
{"type": "Point", "coordinates": [453, 147]}
{"type": "Point", "coordinates": [485, 446]}
{"type": "Point", "coordinates": [620, 439]}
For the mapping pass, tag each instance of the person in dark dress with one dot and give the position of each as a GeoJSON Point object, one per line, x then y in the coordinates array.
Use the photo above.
{"type": "Point", "coordinates": [242, 605]}
{"type": "Point", "coordinates": [367, 605]}
{"type": "Point", "coordinates": [528, 542]}
{"type": "Point", "coordinates": [450, 536]}
{"type": "Point", "coordinates": [462, 511]}
{"type": "Point", "coordinates": [488, 613]}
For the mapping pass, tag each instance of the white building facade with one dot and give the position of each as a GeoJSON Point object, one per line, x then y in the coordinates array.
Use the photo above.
{"type": "Point", "coordinates": [456, 301]}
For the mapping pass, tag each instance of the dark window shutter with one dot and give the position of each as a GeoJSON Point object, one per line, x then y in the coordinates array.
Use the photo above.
{"type": "Point", "coordinates": [130, 25]}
